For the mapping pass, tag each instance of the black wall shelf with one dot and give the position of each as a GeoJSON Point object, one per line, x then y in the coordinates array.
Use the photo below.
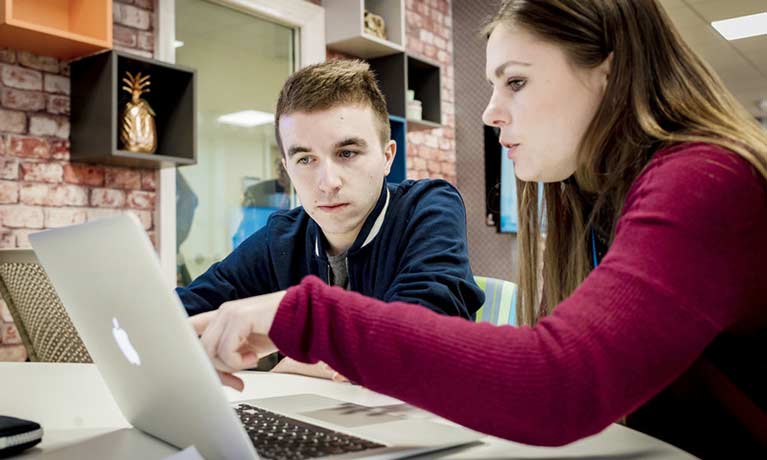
{"type": "Point", "coordinates": [97, 103]}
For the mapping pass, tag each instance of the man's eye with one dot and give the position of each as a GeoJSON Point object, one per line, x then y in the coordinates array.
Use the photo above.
{"type": "Point", "coordinates": [347, 153]}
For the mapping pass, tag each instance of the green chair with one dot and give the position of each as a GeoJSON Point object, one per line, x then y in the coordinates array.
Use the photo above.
{"type": "Point", "coordinates": [500, 307]}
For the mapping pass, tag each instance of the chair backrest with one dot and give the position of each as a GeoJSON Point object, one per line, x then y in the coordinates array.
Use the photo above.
{"type": "Point", "coordinates": [500, 307]}
{"type": "Point", "coordinates": [38, 314]}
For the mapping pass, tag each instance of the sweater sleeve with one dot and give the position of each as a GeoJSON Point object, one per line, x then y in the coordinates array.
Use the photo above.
{"type": "Point", "coordinates": [686, 250]}
{"type": "Point", "coordinates": [245, 272]}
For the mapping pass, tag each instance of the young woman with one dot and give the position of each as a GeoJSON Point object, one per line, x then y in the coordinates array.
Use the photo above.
{"type": "Point", "coordinates": [652, 300]}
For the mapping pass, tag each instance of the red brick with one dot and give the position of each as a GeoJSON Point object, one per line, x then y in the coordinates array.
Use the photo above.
{"type": "Point", "coordinates": [123, 178]}
{"type": "Point", "coordinates": [33, 61]}
{"type": "Point", "coordinates": [448, 168]}
{"type": "Point", "coordinates": [134, 51]}
{"type": "Point", "coordinates": [9, 191]}
{"type": "Point", "coordinates": [433, 166]}
{"type": "Point", "coordinates": [131, 16]}
{"type": "Point", "coordinates": [42, 172]}
{"type": "Point", "coordinates": [64, 68]}
{"type": "Point", "coordinates": [419, 164]}
{"type": "Point", "coordinates": [18, 77]}
{"type": "Point", "coordinates": [19, 216]}
{"type": "Point", "coordinates": [53, 195]}
{"type": "Point", "coordinates": [22, 237]}
{"type": "Point", "coordinates": [59, 217]}
{"type": "Point", "coordinates": [56, 84]}
{"type": "Point", "coordinates": [45, 125]}
{"type": "Point", "coordinates": [101, 213]}
{"type": "Point", "coordinates": [13, 353]}
{"type": "Point", "coordinates": [9, 168]}
{"type": "Point", "coordinates": [75, 173]}
{"type": "Point", "coordinates": [59, 149]}
{"type": "Point", "coordinates": [12, 121]}
{"type": "Point", "coordinates": [426, 37]}
{"type": "Point", "coordinates": [145, 217]}
{"type": "Point", "coordinates": [58, 105]}
{"type": "Point", "coordinates": [414, 20]}
{"type": "Point", "coordinates": [107, 198]}
{"type": "Point", "coordinates": [141, 200]}
{"type": "Point", "coordinates": [148, 180]}
{"type": "Point", "coordinates": [125, 36]}
{"type": "Point", "coordinates": [146, 4]}
{"type": "Point", "coordinates": [7, 240]}
{"type": "Point", "coordinates": [28, 147]}
{"type": "Point", "coordinates": [430, 51]}
{"type": "Point", "coordinates": [5, 315]}
{"type": "Point", "coordinates": [7, 55]}
{"type": "Point", "coordinates": [9, 335]}
{"type": "Point", "coordinates": [30, 101]}
{"type": "Point", "coordinates": [146, 41]}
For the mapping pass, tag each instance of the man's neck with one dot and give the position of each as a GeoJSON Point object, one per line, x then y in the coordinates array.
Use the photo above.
{"type": "Point", "coordinates": [340, 243]}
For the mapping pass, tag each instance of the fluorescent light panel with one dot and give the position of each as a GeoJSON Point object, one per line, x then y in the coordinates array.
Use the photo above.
{"type": "Point", "coordinates": [742, 27]}
{"type": "Point", "coordinates": [247, 118]}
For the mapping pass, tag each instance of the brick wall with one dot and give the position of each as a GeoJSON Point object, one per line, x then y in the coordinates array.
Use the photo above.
{"type": "Point", "coordinates": [39, 187]}
{"type": "Point", "coordinates": [429, 34]}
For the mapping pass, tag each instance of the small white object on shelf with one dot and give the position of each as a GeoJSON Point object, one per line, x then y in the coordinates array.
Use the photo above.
{"type": "Point", "coordinates": [414, 109]}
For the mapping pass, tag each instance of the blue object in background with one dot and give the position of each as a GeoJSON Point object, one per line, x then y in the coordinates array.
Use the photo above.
{"type": "Point", "coordinates": [399, 135]}
{"type": "Point", "coordinates": [253, 218]}
{"type": "Point", "coordinates": [509, 211]}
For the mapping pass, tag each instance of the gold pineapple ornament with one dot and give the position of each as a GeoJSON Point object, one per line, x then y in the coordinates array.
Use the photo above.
{"type": "Point", "coordinates": [138, 132]}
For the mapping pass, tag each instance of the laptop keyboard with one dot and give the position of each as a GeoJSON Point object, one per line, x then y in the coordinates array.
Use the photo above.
{"type": "Point", "coordinates": [278, 437]}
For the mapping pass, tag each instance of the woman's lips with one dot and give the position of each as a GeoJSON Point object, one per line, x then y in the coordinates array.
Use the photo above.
{"type": "Point", "coordinates": [511, 149]}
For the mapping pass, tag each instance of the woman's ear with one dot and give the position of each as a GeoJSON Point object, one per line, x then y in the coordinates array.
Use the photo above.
{"type": "Point", "coordinates": [604, 70]}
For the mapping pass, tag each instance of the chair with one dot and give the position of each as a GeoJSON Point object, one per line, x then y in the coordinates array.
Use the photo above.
{"type": "Point", "coordinates": [39, 316]}
{"type": "Point", "coordinates": [500, 307]}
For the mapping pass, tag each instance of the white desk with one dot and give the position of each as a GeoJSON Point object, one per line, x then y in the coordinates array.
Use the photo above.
{"type": "Point", "coordinates": [72, 404]}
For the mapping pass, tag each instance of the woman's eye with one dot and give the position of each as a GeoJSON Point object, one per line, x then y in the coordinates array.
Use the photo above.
{"type": "Point", "coordinates": [516, 84]}
{"type": "Point", "coordinates": [303, 161]}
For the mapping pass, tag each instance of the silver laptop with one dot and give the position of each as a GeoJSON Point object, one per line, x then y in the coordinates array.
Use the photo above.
{"type": "Point", "coordinates": [135, 328]}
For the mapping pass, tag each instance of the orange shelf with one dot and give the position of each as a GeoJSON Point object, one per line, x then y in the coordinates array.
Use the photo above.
{"type": "Point", "coordinates": [65, 29]}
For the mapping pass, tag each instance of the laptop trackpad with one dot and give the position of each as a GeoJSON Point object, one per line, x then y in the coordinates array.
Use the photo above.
{"type": "Point", "coordinates": [352, 415]}
{"type": "Point", "coordinates": [336, 412]}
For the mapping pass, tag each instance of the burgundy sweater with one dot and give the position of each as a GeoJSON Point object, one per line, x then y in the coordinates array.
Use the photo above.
{"type": "Point", "coordinates": [669, 329]}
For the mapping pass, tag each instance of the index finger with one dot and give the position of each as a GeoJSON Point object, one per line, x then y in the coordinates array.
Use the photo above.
{"type": "Point", "coordinates": [202, 321]}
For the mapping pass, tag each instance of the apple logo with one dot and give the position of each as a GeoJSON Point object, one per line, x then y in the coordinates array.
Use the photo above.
{"type": "Point", "coordinates": [121, 337]}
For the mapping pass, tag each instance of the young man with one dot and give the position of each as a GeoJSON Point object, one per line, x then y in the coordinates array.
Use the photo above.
{"type": "Point", "coordinates": [404, 242]}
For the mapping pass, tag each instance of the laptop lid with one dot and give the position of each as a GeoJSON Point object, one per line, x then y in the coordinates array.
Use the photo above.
{"type": "Point", "coordinates": [108, 277]}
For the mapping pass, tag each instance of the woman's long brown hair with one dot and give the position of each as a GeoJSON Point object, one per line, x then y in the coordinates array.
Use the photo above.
{"type": "Point", "coordinates": [659, 93]}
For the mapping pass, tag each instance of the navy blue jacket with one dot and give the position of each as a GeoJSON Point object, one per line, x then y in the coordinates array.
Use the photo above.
{"type": "Point", "coordinates": [412, 248]}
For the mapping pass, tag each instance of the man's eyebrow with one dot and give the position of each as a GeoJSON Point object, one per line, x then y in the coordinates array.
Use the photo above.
{"type": "Point", "coordinates": [358, 141]}
{"type": "Point", "coordinates": [295, 149]}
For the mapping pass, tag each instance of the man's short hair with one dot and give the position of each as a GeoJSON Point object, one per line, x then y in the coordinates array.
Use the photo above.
{"type": "Point", "coordinates": [328, 85]}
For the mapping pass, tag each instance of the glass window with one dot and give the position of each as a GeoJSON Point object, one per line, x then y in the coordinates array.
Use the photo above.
{"type": "Point", "coordinates": [242, 61]}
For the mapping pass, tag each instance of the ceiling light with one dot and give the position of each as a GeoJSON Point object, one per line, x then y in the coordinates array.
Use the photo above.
{"type": "Point", "coordinates": [178, 43]}
{"type": "Point", "coordinates": [742, 27]}
{"type": "Point", "coordinates": [247, 118]}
